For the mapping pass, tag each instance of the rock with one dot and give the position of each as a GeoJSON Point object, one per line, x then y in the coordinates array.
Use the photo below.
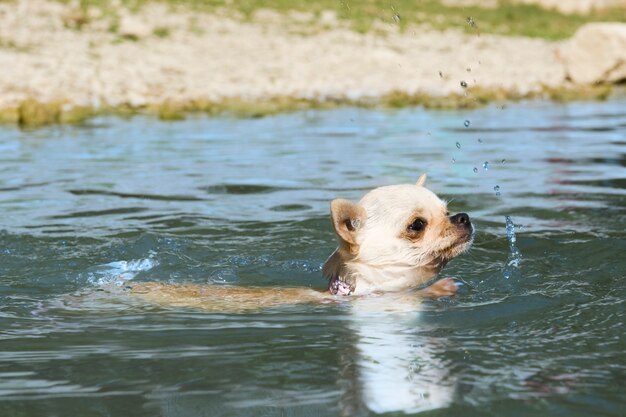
{"type": "Point", "coordinates": [328, 17]}
{"type": "Point", "coordinates": [596, 54]}
{"type": "Point", "coordinates": [133, 28]}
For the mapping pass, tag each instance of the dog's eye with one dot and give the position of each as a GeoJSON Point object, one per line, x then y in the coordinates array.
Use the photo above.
{"type": "Point", "coordinates": [417, 226]}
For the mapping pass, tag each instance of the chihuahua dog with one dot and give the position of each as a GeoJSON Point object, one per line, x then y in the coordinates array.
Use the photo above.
{"type": "Point", "coordinates": [396, 238]}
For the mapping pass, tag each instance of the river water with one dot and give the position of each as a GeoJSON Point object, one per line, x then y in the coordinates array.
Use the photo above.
{"type": "Point", "coordinates": [536, 329]}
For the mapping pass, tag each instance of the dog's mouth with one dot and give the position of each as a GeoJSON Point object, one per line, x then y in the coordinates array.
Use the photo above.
{"type": "Point", "coordinates": [461, 244]}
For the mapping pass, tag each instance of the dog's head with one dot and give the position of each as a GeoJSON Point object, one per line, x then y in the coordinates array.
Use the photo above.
{"type": "Point", "coordinates": [392, 234]}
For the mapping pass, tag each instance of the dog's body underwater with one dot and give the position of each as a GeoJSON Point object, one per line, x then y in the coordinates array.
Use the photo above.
{"type": "Point", "coordinates": [395, 238]}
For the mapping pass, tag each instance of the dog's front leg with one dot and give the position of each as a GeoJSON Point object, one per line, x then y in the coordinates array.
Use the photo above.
{"type": "Point", "coordinates": [445, 287]}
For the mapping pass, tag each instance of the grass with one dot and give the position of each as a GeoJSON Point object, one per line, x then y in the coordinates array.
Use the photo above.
{"type": "Point", "coordinates": [161, 32]}
{"type": "Point", "coordinates": [362, 15]}
{"type": "Point", "coordinates": [10, 44]}
{"type": "Point", "coordinates": [33, 113]}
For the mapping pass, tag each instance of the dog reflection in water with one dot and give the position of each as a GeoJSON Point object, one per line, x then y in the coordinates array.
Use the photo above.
{"type": "Point", "coordinates": [392, 242]}
{"type": "Point", "coordinates": [397, 368]}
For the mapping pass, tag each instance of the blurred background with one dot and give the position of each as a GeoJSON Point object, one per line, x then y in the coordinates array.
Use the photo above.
{"type": "Point", "coordinates": [64, 61]}
{"type": "Point", "coordinates": [200, 142]}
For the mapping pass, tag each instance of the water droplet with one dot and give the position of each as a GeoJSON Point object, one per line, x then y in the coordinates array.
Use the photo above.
{"type": "Point", "coordinates": [486, 166]}
{"type": "Point", "coordinates": [458, 145]}
{"type": "Point", "coordinates": [515, 256]}
{"type": "Point", "coordinates": [471, 21]}
{"type": "Point", "coordinates": [466, 123]}
{"type": "Point", "coordinates": [480, 140]}
{"type": "Point", "coordinates": [496, 188]}
{"type": "Point", "coordinates": [510, 230]}
{"type": "Point", "coordinates": [475, 170]}
{"type": "Point", "coordinates": [503, 161]}
{"type": "Point", "coordinates": [396, 17]}
{"type": "Point", "coordinates": [440, 74]}
{"type": "Point", "coordinates": [453, 160]}
{"type": "Point", "coordinates": [498, 194]}
{"type": "Point", "coordinates": [463, 84]}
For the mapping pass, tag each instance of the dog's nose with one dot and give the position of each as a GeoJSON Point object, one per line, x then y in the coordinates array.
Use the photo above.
{"type": "Point", "coordinates": [461, 218]}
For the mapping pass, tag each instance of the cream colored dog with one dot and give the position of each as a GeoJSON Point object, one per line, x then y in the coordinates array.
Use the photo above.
{"type": "Point", "coordinates": [396, 238]}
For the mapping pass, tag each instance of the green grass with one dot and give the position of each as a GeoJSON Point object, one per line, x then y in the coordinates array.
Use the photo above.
{"type": "Point", "coordinates": [507, 19]}
{"type": "Point", "coordinates": [10, 44]}
{"type": "Point", "coordinates": [161, 32]}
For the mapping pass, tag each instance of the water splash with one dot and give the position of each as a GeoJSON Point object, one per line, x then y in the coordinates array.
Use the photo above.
{"type": "Point", "coordinates": [118, 272]}
{"type": "Point", "coordinates": [515, 256]}
{"type": "Point", "coordinates": [510, 231]}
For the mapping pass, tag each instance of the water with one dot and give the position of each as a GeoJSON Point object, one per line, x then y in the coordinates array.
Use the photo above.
{"type": "Point", "coordinates": [515, 257]}
{"type": "Point", "coordinates": [246, 202]}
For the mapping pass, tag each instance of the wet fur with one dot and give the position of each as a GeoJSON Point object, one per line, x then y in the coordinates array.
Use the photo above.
{"type": "Point", "coordinates": [377, 253]}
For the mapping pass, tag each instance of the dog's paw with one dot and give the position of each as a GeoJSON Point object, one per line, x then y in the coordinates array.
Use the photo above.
{"type": "Point", "coordinates": [445, 287]}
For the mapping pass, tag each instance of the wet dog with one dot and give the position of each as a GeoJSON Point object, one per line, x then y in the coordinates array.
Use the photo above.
{"type": "Point", "coordinates": [395, 239]}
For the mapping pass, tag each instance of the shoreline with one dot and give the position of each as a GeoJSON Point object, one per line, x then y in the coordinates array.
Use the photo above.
{"type": "Point", "coordinates": [32, 113]}
{"type": "Point", "coordinates": [170, 62]}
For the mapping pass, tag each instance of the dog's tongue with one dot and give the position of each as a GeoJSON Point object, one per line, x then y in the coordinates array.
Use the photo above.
{"type": "Point", "coordinates": [338, 287]}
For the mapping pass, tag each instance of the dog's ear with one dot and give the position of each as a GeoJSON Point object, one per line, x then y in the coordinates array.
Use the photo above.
{"type": "Point", "coordinates": [421, 180]}
{"type": "Point", "coordinates": [347, 219]}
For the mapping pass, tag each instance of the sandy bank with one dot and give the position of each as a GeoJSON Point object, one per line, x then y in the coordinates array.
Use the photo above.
{"type": "Point", "coordinates": [160, 55]}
